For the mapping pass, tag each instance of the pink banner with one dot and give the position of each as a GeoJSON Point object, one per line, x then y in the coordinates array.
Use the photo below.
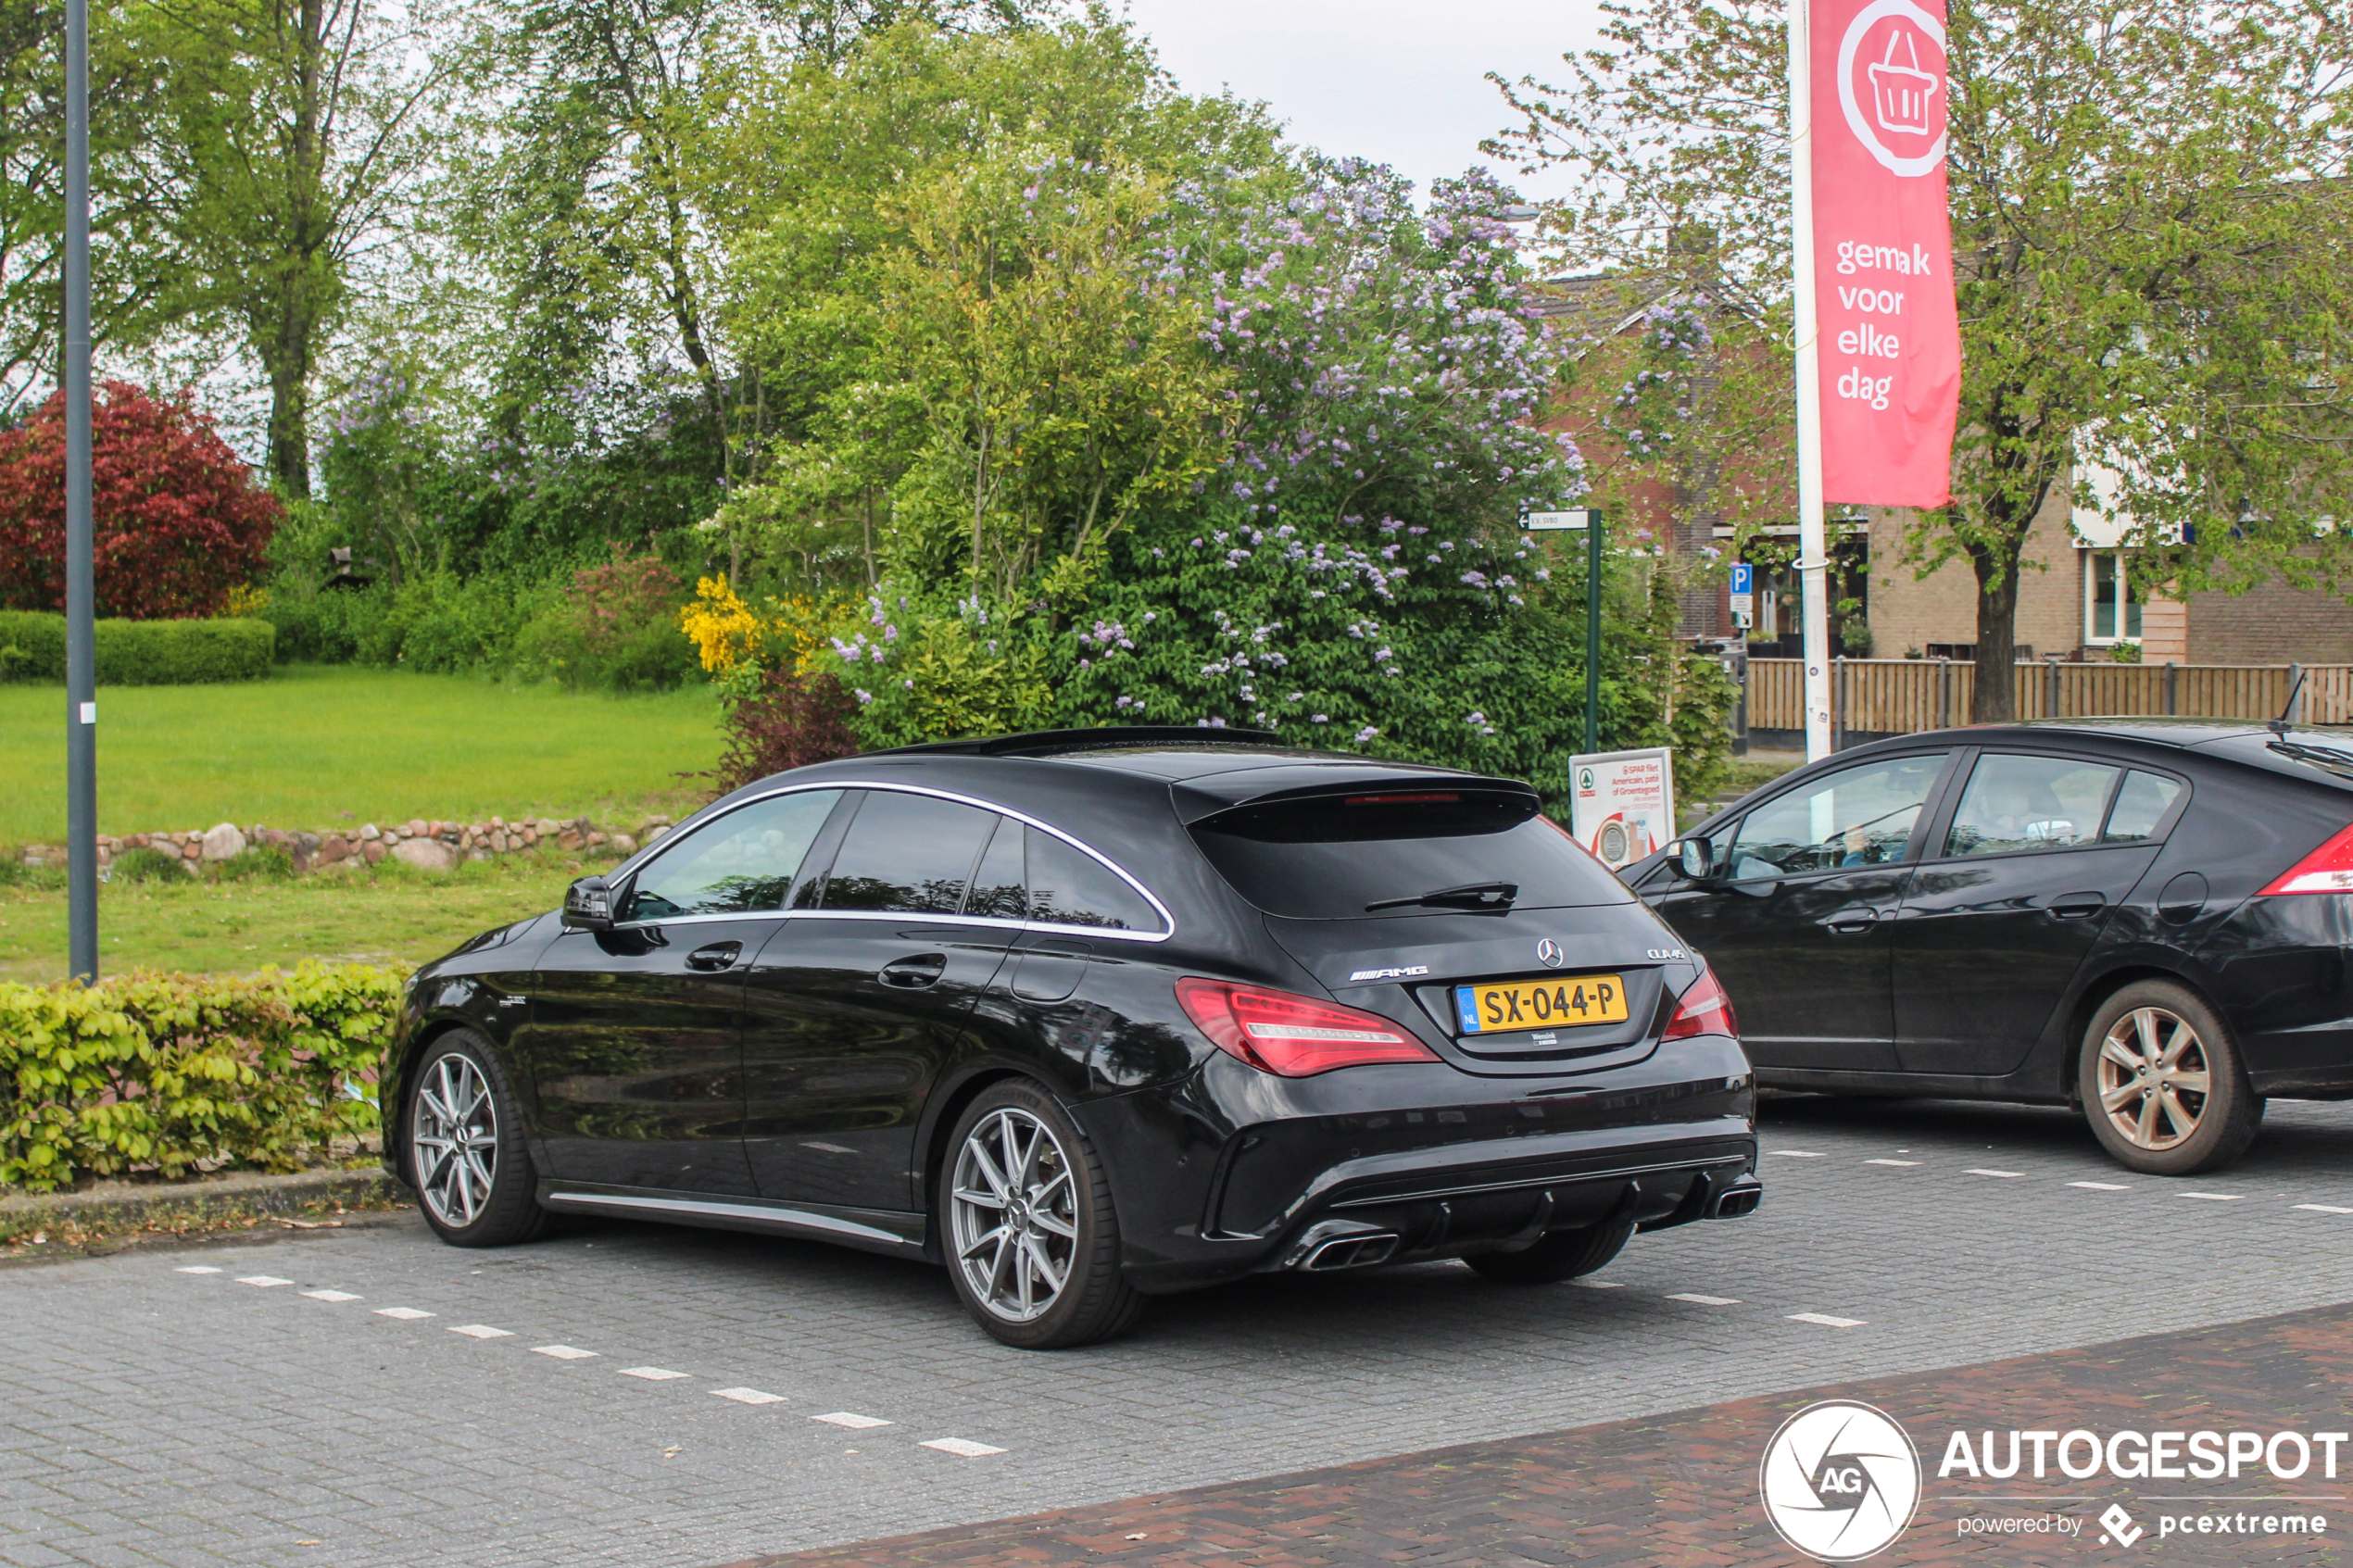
{"type": "Point", "coordinates": [1891, 341]}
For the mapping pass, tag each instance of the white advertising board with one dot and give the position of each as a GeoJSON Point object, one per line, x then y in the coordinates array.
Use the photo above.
{"type": "Point", "coordinates": [1622, 803]}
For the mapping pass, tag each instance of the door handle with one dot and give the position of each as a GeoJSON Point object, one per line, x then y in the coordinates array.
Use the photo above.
{"type": "Point", "coordinates": [1849, 923]}
{"type": "Point", "coordinates": [718, 956]}
{"type": "Point", "coordinates": [913, 973]}
{"type": "Point", "coordinates": [2078, 906]}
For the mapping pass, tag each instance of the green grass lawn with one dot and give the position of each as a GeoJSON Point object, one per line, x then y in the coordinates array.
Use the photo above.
{"type": "Point", "coordinates": [390, 913]}
{"type": "Point", "coordinates": [316, 746]}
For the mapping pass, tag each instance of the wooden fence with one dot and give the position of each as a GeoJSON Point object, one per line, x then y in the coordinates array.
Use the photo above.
{"type": "Point", "coordinates": [1905, 696]}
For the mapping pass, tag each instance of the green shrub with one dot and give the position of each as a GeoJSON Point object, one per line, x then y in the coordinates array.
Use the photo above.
{"type": "Point", "coordinates": [158, 1073]}
{"type": "Point", "coordinates": [139, 652]}
{"type": "Point", "coordinates": [260, 863]}
{"type": "Point", "coordinates": [145, 865]}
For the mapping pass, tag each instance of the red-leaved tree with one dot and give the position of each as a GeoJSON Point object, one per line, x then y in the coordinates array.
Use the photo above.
{"type": "Point", "coordinates": [791, 722]}
{"type": "Point", "coordinates": [178, 520]}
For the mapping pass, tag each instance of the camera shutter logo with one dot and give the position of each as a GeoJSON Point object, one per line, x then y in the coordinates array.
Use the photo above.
{"type": "Point", "coordinates": [1840, 1481]}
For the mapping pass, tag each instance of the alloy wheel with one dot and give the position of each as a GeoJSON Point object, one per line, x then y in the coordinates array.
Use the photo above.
{"type": "Point", "coordinates": [456, 1141]}
{"type": "Point", "coordinates": [2154, 1077]}
{"type": "Point", "coordinates": [1013, 1214]}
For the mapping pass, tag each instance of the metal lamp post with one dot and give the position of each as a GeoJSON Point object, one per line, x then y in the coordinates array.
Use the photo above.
{"type": "Point", "coordinates": [81, 654]}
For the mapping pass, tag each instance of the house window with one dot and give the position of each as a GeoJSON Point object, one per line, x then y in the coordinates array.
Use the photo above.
{"type": "Point", "coordinates": [2111, 610]}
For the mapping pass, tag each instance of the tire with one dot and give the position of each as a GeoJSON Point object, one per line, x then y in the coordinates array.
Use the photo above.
{"type": "Point", "coordinates": [466, 1155]}
{"type": "Point", "coordinates": [2162, 1084]}
{"type": "Point", "coordinates": [1562, 1255]}
{"type": "Point", "coordinates": [1023, 1200]}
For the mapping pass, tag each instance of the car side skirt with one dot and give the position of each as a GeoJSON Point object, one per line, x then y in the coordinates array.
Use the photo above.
{"type": "Point", "coordinates": [872, 1230]}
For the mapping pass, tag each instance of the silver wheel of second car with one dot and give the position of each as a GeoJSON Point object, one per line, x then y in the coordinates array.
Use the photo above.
{"type": "Point", "coordinates": [454, 1137]}
{"type": "Point", "coordinates": [2155, 1078]}
{"type": "Point", "coordinates": [1013, 1212]}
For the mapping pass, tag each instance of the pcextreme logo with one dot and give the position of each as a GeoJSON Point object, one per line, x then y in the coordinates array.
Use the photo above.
{"type": "Point", "coordinates": [1840, 1481]}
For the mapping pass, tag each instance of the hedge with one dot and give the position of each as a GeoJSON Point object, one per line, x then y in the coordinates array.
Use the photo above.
{"type": "Point", "coordinates": [139, 652]}
{"type": "Point", "coordinates": [156, 1073]}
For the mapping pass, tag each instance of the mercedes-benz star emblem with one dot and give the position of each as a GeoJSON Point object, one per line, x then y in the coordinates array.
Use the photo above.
{"type": "Point", "coordinates": [1549, 951]}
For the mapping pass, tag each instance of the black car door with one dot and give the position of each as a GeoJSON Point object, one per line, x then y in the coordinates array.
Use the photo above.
{"type": "Point", "coordinates": [636, 1044]}
{"type": "Point", "coordinates": [2040, 851]}
{"type": "Point", "coordinates": [1795, 921]}
{"type": "Point", "coordinates": [861, 999]}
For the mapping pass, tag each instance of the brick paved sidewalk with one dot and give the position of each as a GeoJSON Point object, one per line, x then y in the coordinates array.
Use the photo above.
{"type": "Point", "coordinates": [1679, 1491]}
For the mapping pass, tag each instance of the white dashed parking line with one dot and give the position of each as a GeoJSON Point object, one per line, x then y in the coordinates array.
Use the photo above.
{"type": "Point", "coordinates": [2103, 1186]}
{"type": "Point", "coordinates": [1825, 1320]}
{"type": "Point", "coordinates": [854, 1422]}
{"type": "Point", "coordinates": [1907, 1163]}
{"type": "Point", "coordinates": [264, 1280]}
{"type": "Point", "coordinates": [2324, 1209]}
{"type": "Point", "coordinates": [1706, 1300]}
{"type": "Point", "coordinates": [650, 1374]}
{"type": "Point", "coordinates": [332, 1296]}
{"type": "Point", "coordinates": [2211, 1197]}
{"type": "Point", "coordinates": [480, 1331]}
{"type": "Point", "coordinates": [1798, 1153]}
{"type": "Point", "coordinates": [564, 1352]}
{"type": "Point", "coordinates": [963, 1447]}
{"type": "Point", "coordinates": [196, 1269]}
{"type": "Point", "coordinates": [750, 1396]}
{"type": "Point", "coordinates": [406, 1314]}
{"type": "Point", "coordinates": [2006, 1176]}
{"type": "Point", "coordinates": [1598, 1283]}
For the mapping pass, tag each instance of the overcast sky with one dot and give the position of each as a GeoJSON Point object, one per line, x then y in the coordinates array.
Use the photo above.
{"type": "Point", "coordinates": [1400, 82]}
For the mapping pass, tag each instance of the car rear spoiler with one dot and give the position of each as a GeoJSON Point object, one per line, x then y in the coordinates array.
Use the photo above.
{"type": "Point", "coordinates": [1201, 801]}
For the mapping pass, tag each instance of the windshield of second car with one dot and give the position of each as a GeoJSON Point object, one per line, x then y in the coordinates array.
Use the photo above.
{"type": "Point", "coordinates": [1859, 815]}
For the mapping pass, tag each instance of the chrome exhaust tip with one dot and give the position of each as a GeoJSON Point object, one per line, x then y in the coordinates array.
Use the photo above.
{"type": "Point", "coordinates": [1741, 1198]}
{"type": "Point", "coordinates": [1340, 1244]}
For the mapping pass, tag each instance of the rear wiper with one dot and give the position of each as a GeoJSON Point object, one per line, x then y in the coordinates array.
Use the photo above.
{"type": "Point", "coordinates": [1471, 895]}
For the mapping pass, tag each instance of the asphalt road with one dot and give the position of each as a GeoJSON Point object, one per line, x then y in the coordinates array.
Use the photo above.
{"type": "Point", "coordinates": [394, 1401]}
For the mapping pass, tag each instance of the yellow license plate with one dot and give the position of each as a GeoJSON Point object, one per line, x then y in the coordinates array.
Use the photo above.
{"type": "Point", "coordinates": [1540, 1004]}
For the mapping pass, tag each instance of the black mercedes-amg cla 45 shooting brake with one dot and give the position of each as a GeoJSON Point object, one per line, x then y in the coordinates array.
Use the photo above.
{"type": "Point", "coordinates": [2144, 918]}
{"type": "Point", "coordinates": [1087, 1017]}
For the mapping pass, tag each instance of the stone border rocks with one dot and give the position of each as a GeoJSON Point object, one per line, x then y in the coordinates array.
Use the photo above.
{"type": "Point", "coordinates": [428, 845]}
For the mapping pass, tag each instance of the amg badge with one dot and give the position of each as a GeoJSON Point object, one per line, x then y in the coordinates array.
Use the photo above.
{"type": "Point", "coordinates": [1405, 973]}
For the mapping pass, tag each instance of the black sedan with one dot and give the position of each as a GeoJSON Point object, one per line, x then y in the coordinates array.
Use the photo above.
{"type": "Point", "coordinates": [1090, 1016]}
{"type": "Point", "coordinates": [2146, 919]}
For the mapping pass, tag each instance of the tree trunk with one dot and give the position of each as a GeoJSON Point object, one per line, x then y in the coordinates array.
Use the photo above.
{"type": "Point", "coordinates": [1995, 699]}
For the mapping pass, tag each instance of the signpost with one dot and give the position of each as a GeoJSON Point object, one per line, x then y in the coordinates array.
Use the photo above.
{"type": "Point", "coordinates": [81, 656]}
{"type": "Point", "coordinates": [1743, 596]}
{"type": "Point", "coordinates": [1589, 520]}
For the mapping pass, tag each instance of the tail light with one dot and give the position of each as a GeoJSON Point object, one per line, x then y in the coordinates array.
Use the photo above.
{"type": "Point", "coordinates": [1294, 1036]}
{"type": "Point", "coordinates": [2328, 869]}
{"type": "Point", "coordinates": [1703, 1010]}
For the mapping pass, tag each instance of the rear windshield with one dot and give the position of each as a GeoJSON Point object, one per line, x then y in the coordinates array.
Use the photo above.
{"type": "Point", "coordinates": [1329, 858]}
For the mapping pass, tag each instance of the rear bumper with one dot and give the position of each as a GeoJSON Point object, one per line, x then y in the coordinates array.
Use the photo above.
{"type": "Point", "coordinates": [1272, 1169]}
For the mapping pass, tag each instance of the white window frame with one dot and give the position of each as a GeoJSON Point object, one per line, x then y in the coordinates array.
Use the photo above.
{"type": "Point", "coordinates": [2091, 558]}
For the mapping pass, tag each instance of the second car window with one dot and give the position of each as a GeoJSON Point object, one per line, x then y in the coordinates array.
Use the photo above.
{"type": "Point", "coordinates": [907, 853]}
{"type": "Point", "coordinates": [2015, 803]}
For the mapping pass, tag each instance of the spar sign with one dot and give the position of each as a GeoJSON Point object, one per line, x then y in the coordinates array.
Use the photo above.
{"type": "Point", "coordinates": [1889, 346]}
{"type": "Point", "coordinates": [1621, 804]}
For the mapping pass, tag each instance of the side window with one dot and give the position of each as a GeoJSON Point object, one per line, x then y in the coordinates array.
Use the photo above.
{"type": "Point", "coordinates": [744, 861]}
{"type": "Point", "coordinates": [2014, 803]}
{"type": "Point", "coordinates": [912, 854]}
{"type": "Point", "coordinates": [1856, 817]}
{"type": "Point", "coordinates": [1069, 887]}
{"type": "Point", "coordinates": [1000, 886]}
{"type": "Point", "coordinates": [2140, 805]}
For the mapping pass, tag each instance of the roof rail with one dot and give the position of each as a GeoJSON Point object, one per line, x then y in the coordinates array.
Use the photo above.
{"type": "Point", "coordinates": [1043, 743]}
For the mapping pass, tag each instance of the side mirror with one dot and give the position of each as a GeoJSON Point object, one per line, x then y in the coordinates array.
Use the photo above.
{"type": "Point", "coordinates": [589, 905]}
{"type": "Point", "coordinates": [1696, 857]}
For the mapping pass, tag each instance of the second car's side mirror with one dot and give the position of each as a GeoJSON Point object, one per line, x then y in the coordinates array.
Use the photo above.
{"type": "Point", "coordinates": [1696, 857]}
{"type": "Point", "coordinates": [589, 905]}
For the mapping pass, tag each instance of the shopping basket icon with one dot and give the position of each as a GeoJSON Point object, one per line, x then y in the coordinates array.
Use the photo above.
{"type": "Point", "coordinates": [1900, 94]}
